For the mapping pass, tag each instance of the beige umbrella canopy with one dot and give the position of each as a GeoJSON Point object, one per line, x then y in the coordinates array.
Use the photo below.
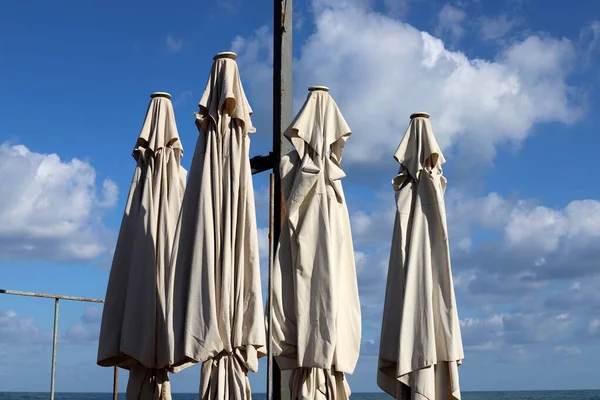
{"type": "Point", "coordinates": [421, 346]}
{"type": "Point", "coordinates": [215, 299]}
{"type": "Point", "coordinates": [133, 334]}
{"type": "Point", "coordinates": [316, 310]}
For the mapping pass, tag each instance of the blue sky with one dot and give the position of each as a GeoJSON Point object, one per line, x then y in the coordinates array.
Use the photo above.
{"type": "Point", "coordinates": [513, 92]}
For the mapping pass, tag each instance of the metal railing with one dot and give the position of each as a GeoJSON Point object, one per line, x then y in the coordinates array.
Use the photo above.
{"type": "Point", "coordinates": [57, 299]}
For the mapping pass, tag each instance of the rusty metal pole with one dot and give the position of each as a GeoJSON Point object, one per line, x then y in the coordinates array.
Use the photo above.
{"type": "Point", "coordinates": [54, 341]}
{"type": "Point", "coordinates": [282, 117]}
{"type": "Point", "coordinates": [50, 296]}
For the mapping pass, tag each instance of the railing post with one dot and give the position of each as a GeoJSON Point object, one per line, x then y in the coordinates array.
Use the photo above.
{"type": "Point", "coordinates": [57, 298]}
{"type": "Point", "coordinates": [54, 340]}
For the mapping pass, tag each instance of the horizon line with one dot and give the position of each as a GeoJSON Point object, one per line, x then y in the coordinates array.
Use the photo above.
{"type": "Point", "coordinates": [354, 393]}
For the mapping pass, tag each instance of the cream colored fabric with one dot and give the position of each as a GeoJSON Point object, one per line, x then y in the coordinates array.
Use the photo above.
{"type": "Point", "coordinates": [316, 310]}
{"type": "Point", "coordinates": [421, 345]}
{"type": "Point", "coordinates": [215, 300]}
{"type": "Point", "coordinates": [318, 384]}
{"type": "Point", "coordinates": [133, 327]}
{"type": "Point", "coordinates": [225, 375]}
{"type": "Point", "coordinates": [148, 384]}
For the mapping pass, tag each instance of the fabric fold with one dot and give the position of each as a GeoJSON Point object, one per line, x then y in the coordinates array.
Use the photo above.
{"type": "Point", "coordinates": [316, 309]}
{"type": "Point", "coordinates": [224, 94]}
{"type": "Point", "coordinates": [225, 376]}
{"type": "Point", "coordinates": [316, 383]}
{"type": "Point", "coordinates": [148, 384]}
{"type": "Point", "coordinates": [215, 299]}
{"type": "Point", "coordinates": [421, 344]}
{"type": "Point", "coordinates": [320, 127]}
{"type": "Point", "coordinates": [134, 333]}
{"type": "Point", "coordinates": [419, 149]}
{"type": "Point", "coordinates": [159, 129]}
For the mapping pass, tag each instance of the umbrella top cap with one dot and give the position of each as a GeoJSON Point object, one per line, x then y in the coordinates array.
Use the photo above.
{"type": "Point", "coordinates": [419, 115]}
{"type": "Point", "coordinates": [226, 54]}
{"type": "Point", "coordinates": [160, 94]}
{"type": "Point", "coordinates": [318, 88]}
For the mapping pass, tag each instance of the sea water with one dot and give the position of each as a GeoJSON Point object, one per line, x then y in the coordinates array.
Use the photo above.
{"type": "Point", "coordinates": [530, 395]}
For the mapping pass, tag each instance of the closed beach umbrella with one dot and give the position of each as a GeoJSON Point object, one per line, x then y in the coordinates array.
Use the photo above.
{"type": "Point", "coordinates": [421, 346]}
{"type": "Point", "coordinates": [133, 334]}
{"type": "Point", "coordinates": [316, 310]}
{"type": "Point", "coordinates": [215, 299]}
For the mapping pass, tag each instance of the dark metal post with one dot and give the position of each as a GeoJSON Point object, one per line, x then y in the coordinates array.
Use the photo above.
{"type": "Point", "coordinates": [54, 340]}
{"type": "Point", "coordinates": [282, 117]}
{"type": "Point", "coordinates": [286, 73]}
{"type": "Point", "coordinates": [282, 98]}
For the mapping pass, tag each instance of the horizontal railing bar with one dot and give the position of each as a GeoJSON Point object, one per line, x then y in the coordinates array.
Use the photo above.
{"type": "Point", "coordinates": [56, 298]}
{"type": "Point", "coordinates": [260, 164]}
{"type": "Point", "coordinates": [51, 296]}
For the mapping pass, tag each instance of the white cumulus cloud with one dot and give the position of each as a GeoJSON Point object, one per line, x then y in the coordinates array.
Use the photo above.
{"type": "Point", "coordinates": [544, 229]}
{"type": "Point", "coordinates": [16, 329]}
{"type": "Point", "coordinates": [380, 70]}
{"type": "Point", "coordinates": [450, 20]}
{"type": "Point", "coordinates": [88, 329]}
{"type": "Point", "coordinates": [50, 208]}
{"type": "Point", "coordinates": [493, 28]}
{"type": "Point", "coordinates": [512, 296]}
